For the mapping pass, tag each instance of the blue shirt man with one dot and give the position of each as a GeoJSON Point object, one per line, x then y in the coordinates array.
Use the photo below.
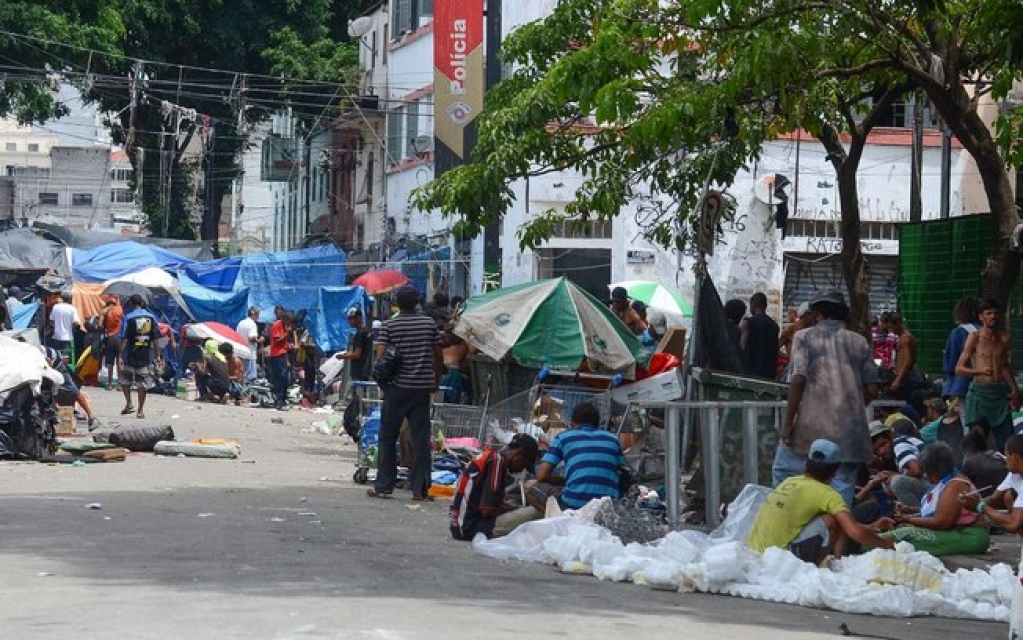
{"type": "Point", "coordinates": [592, 458]}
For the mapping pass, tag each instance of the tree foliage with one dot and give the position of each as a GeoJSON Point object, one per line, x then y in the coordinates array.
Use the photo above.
{"type": "Point", "coordinates": [190, 48]}
{"type": "Point", "coordinates": [32, 66]}
{"type": "Point", "coordinates": [646, 98]}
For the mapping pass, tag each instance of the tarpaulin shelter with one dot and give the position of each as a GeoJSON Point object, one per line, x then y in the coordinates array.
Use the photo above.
{"type": "Point", "coordinates": [91, 239]}
{"type": "Point", "coordinates": [291, 279]}
{"type": "Point", "coordinates": [25, 255]}
{"type": "Point", "coordinates": [216, 275]}
{"type": "Point", "coordinates": [117, 259]}
{"type": "Point", "coordinates": [228, 307]}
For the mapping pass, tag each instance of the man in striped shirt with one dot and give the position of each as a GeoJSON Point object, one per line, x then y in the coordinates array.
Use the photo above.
{"type": "Point", "coordinates": [417, 341]}
{"type": "Point", "coordinates": [592, 458]}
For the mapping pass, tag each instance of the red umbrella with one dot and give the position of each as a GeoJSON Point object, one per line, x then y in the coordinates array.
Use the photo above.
{"type": "Point", "coordinates": [221, 333]}
{"type": "Point", "coordinates": [381, 281]}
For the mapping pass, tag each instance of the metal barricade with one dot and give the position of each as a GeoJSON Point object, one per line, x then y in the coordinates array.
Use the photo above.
{"type": "Point", "coordinates": [679, 420]}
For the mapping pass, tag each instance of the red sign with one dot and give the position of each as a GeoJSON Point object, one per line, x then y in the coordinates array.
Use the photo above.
{"type": "Point", "coordinates": [458, 68]}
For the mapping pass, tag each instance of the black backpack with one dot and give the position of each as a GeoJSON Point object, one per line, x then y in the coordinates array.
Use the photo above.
{"type": "Point", "coordinates": [385, 370]}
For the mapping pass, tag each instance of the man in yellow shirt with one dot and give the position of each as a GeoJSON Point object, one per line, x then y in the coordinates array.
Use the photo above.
{"type": "Point", "coordinates": [806, 516]}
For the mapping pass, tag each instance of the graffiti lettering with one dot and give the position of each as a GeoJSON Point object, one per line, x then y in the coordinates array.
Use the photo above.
{"type": "Point", "coordinates": [834, 245]}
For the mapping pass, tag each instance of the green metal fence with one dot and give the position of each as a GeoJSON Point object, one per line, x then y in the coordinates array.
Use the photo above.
{"type": "Point", "coordinates": [940, 261]}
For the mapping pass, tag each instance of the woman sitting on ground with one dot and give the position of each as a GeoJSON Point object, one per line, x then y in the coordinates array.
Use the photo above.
{"type": "Point", "coordinates": [943, 525]}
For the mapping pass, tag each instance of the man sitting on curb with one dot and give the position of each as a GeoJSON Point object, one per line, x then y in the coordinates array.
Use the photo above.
{"type": "Point", "coordinates": [479, 504]}
{"type": "Point", "coordinates": [809, 518]}
{"type": "Point", "coordinates": [592, 459]}
{"type": "Point", "coordinates": [902, 450]}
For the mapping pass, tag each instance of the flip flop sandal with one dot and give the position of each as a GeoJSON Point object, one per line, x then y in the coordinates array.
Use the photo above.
{"type": "Point", "coordinates": [127, 410]}
{"type": "Point", "coordinates": [423, 499]}
{"type": "Point", "coordinates": [140, 415]}
{"type": "Point", "coordinates": [373, 493]}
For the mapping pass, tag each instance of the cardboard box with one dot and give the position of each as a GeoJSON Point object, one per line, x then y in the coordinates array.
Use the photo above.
{"type": "Point", "coordinates": [664, 387]}
{"type": "Point", "coordinates": [68, 425]}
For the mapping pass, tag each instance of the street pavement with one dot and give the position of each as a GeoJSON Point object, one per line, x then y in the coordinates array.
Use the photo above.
{"type": "Point", "coordinates": [282, 544]}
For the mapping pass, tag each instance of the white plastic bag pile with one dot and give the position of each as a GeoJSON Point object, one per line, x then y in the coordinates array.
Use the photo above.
{"type": "Point", "coordinates": [898, 583]}
{"type": "Point", "coordinates": [23, 363]}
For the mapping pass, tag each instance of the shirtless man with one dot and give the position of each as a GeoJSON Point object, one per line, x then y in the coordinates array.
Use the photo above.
{"type": "Point", "coordinates": [907, 377]}
{"type": "Point", "coordinates": [622, 307]}
{"type": "Point", "coordinates": [985, 358]}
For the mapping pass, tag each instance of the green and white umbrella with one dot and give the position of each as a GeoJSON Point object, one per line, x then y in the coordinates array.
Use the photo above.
{"type": "Point", "coordinates": [657, 296]}
{"type": "Point", "coordinates": [550, 323]}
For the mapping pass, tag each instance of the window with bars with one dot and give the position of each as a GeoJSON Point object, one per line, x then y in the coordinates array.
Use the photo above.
{"type": "Point", "coordinates": [121, 196]}
{"type": "Point", "coordinates": [411, 128]}
{"type": "Point", "coordinates": [408, 15]}
{"type": "Point", "coordinates": [81, 199]}
{"type": "Point", "coordinates": [394, 136]}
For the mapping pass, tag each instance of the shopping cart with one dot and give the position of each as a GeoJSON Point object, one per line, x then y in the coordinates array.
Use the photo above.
{"type": "Point", "coordinates": [367, 394]}
{"type": "Point", "coordinates": [551, 400]}
{"type": "Point", "coordinates": [458, 421]}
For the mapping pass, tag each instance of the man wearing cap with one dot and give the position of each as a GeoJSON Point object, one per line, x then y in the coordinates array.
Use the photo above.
{"type": "Point", "coordinates": [833, 378]}
{"type": "Point", "coordinates": [622, 307]}
{"type": "Point", "coordinates": [479, 504]}
{"type": "Point", "coordinates": [806, 516]}
{"type": "Point", "coordinates": [360, 353]}
{"type": "Point", "coordinates": [249, 329]}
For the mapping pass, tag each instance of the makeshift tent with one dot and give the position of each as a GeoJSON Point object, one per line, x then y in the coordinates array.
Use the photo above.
{"type": "Point", "coordinates": [22, 252]}
{"type": "Point", "coordinates": [292, 279]}
{"type": "Point", "coordinates": [89, 239]}
{"type": "Point", "coordinates": [118, 259]}
{"type": "Point", "coordinates": [22, 316]}
{"type": "Point", "coordinates": [328, 322]}
{"type": "Point", "coordinates": [169, 306]}
{"type": "Point", "coordinates": [227, 307]}
{"type": "Point", "coordinates": [216, 275]}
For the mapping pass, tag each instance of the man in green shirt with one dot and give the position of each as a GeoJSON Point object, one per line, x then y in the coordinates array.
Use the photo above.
{"type": "Point", "coordinates": [806, 516]}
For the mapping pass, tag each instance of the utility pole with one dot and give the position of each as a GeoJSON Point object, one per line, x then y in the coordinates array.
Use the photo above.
{"type": "Point", "coordinates": [946, 169]}
{"type": "Point", "coordinates": [916, 179]}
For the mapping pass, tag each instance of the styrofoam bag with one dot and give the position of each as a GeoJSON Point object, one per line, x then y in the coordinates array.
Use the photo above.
{"type": "Point", "coordinates": [741, 513]}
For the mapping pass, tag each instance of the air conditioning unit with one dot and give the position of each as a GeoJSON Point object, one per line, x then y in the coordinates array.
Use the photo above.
{"type": "Point", "coordinates": [422, 144]}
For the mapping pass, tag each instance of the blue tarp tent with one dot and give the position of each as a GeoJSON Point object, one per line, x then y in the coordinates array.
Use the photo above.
{"type": "Point", "coordinates": [122, 258]}
{"type": "Point", "coordinates": [328, 322]}
{"type": "Point", "coordinates": [227, 307]}
{"type": "Point", "coordinates": [218, 275]}
{"type": "Point", "coordinates": [292, 279]}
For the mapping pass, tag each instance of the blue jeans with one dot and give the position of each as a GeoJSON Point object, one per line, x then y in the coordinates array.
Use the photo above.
{"type": "Point", "coordinates": [789, 463]}
{"type": "Point", "coordinates": [280, 375]}
{"type": "Point", "coordinates": [250, 369]}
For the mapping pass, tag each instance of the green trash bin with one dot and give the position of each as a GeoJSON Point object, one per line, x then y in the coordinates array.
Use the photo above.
{"type": "Point", "coordinates": [713, 386]}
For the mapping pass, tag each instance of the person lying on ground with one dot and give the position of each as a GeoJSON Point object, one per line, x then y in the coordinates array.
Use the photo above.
{"type": "Point", "coordinates": [592, 458]}
{"type": "Point", "coordinates": [805, 515]}
{"type": "Point", "coordinates": [1012, 519]}
{"type": "Point", "coordinates": [942, 526]}
{"type": "Point", "coordinates": [480, 504]}
{"type": "Point", "coordinates": [70, 393]}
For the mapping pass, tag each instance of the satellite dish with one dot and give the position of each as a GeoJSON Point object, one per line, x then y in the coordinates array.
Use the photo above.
{"type": "Point", "coordinates": [360, 26]}
{"type": "Point", "coordinates": [764, 189]}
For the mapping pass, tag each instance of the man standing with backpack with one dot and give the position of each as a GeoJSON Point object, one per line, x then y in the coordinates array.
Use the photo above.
{"type": "Point", "coordinates": [412, 339]}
